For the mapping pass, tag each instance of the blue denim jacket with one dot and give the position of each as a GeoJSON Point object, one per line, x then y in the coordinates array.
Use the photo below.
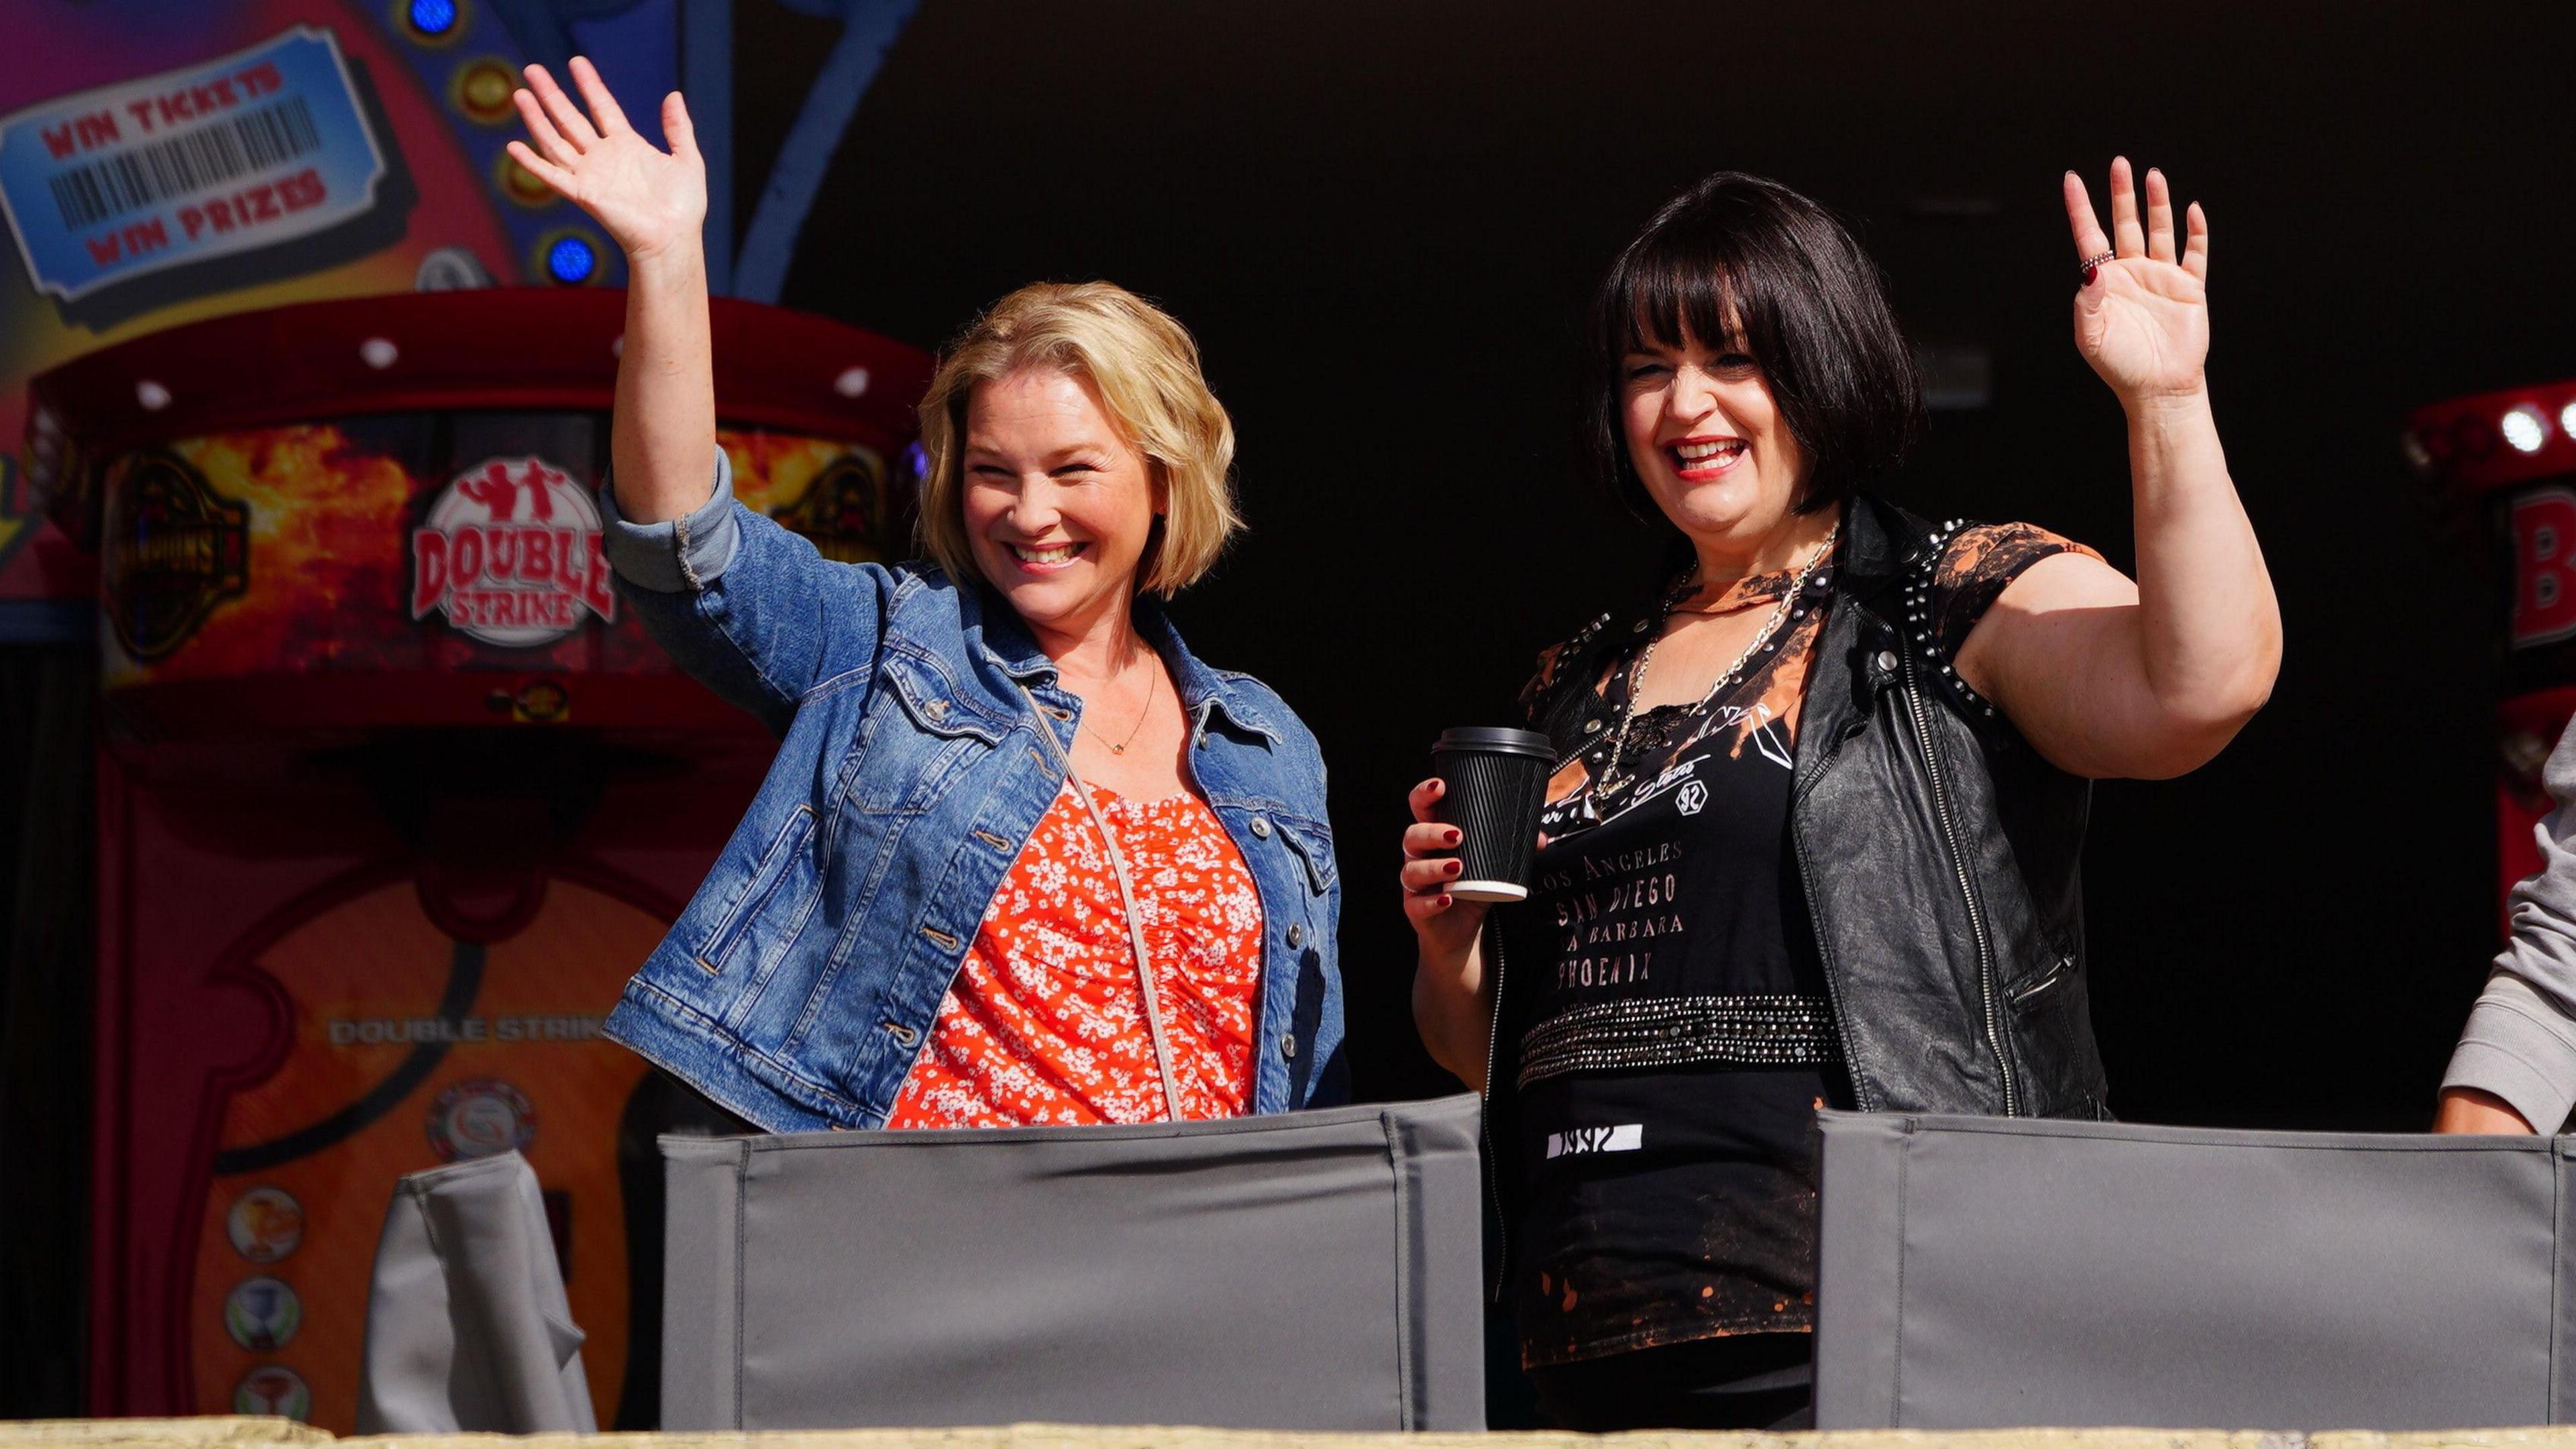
{"type": "Point", "coordinates": [801, 980]}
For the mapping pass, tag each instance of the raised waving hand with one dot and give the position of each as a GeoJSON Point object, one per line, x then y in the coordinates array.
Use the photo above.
{"type": "Point", "coordinates": [662, 433]}
{"type": "Point", "coordinates": [2142, 315]}
{"type": "Point", "coordinates": [2107, 677]}
{"type": "Point", "coordinates": [647, 199]}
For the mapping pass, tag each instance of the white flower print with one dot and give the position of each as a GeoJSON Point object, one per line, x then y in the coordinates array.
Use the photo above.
{"type": "Point", "coordinates": [1045, 1022]}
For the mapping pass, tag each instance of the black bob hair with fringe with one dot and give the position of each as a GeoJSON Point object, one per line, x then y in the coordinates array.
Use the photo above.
{"type": "Point", "coordinates": [1809, 307]}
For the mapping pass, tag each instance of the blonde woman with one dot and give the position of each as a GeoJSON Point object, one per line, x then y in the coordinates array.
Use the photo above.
{"type": "Point", "coordinates": [1021, 858]}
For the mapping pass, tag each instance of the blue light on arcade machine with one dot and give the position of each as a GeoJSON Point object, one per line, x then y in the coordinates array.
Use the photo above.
{"type": "Point", "coordinates": [432, 18]}
{"type": "Point", "coordinates": [571, 260]}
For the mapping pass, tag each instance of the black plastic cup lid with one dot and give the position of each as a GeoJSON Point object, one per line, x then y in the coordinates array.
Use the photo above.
{"type": "Point", "coordinates": [1496, 741]}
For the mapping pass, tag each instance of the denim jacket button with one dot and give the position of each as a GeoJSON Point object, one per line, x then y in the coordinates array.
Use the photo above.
{"type": "Point", "coordinates": [1260, 827]}
{"type": "Point", "coordinates": [1288, 1046]}
{"type": "Point", "coordinates": [1296, 934]}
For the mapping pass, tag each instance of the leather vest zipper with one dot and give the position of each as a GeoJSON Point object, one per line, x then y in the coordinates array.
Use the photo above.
{"type": "Point", "coordinates": [1967, 886]}
{"type": "Point", "coordinates": [1862, 1097]}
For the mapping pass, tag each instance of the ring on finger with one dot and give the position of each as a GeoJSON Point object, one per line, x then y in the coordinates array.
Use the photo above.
{"type": "Point", "coordinates": [2094, 264]}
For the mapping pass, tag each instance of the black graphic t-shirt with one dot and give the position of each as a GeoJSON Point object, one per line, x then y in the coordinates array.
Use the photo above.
{"type": "Point", "coordinates": [1673, 1029]}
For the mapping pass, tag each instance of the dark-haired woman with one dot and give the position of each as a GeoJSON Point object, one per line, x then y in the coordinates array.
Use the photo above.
{"type": "Point", "coordinates": [1813, 836]}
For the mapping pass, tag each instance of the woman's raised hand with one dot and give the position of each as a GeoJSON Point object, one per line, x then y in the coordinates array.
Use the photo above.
{"type": "Point", "coordinates": [649, 201]}
{"type": "Point", "coordinates": [2142, 315]}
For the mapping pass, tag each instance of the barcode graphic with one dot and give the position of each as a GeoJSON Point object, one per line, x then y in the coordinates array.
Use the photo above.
{"type": "Point", "coordinates": [207, 156]}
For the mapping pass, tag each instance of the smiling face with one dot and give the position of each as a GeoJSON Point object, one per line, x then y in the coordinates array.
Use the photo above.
{"type": "Point", "coordinates": [1059, 505]}
{"type": "Point", "coordinates": [1708, 440]}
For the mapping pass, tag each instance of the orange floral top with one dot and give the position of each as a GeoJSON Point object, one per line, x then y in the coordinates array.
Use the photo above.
{"type": "Point", "coordinates": [1045, 1023]}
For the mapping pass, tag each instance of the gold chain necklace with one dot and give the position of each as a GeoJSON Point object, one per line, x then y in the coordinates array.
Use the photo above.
{"type": "Point", "coordinates": [1153, 686]}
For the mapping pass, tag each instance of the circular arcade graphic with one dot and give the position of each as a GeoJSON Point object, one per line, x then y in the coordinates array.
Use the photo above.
{"type": "Point", "coordinates": [262, 1314]}
{"type": "Point", "coordinates": [265, 1224]}
{"type": "Point", "coordinates": [484, 1117]}
{"type": "Point", "coordinates": [270, 1390]}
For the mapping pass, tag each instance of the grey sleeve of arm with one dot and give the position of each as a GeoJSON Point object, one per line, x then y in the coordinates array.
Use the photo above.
{"type": "Point", "coordinates": [2520, 1042]}
{"type": "Point", "coordinates": [681, 553]}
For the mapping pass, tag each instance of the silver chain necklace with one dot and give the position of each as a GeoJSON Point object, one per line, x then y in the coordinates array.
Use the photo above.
{"type": "Point", "coordinates": [1612, 781]}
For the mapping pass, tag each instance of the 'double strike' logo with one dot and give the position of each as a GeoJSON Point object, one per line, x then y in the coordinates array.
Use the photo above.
{"type": "Point", "coordinates": [510, 553]}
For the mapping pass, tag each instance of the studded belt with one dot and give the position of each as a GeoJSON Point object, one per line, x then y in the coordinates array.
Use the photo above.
{"type": "Point", "coordinates": [1680, 1031]}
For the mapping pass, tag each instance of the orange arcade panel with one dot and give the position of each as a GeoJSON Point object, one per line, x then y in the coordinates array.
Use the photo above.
{"type": "Point", "coordinates": [409, 1047]}
{"type": "Point", "coordinates": [393, 797]}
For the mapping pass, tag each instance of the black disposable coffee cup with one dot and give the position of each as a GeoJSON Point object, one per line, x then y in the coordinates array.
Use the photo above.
{"type": "Point", "coordinates": [1497, 782]}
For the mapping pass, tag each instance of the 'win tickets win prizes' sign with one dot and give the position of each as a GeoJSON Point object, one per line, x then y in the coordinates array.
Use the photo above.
{"type": "Point", "coordinates": [233, 155]}
{"type": "Point", "coordinates": [510, 553]}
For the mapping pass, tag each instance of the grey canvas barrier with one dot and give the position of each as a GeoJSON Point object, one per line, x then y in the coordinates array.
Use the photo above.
{"type": "Point", "coordinates": [1982, 1273]}
{"type": "Point", "coordinates": [1312, 1270]}
{"type": "Point", "coordinates": [468, 1328]}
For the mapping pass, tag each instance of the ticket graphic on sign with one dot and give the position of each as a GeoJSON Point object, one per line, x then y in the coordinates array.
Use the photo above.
{"type": "Point", "coordinates": [231, 155]}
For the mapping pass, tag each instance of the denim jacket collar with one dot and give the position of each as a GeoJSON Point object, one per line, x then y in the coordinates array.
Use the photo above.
{"type": "Point", "coordinates": [996, 633]}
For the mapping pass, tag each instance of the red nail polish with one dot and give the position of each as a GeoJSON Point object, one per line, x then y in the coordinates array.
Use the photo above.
{"type": "Point", "coordinates": [1453, 837]}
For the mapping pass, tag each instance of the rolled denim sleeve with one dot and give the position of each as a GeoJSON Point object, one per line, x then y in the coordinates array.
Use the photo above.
{"type": "Point", "coordinates": [2520, 1041]}
{"type": "Point", "coordinates": [678, 554]}
{"type": "Point", "coordinates": [749, 608]}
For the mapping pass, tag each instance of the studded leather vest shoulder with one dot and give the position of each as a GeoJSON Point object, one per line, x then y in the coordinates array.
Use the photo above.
{"type": "Point", "coordinates": [1938, 853]}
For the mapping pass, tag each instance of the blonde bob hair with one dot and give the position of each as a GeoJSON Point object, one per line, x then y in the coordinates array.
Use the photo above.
{"type": "Point", "coordinates": [1146, 369]}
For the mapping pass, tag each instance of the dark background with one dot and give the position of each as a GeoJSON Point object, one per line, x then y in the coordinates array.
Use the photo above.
{"type": "Point", "coordinates": [1382, 220]}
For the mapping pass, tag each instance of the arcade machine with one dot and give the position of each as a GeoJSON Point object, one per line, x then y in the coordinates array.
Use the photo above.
{"type": "Point", "coordinates": [394, 795]}
{"type": "Point", "coordinates": [2514, 453]}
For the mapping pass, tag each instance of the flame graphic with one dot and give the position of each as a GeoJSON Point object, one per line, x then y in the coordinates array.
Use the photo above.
{"type": "Point", "coordinates": [327, 527]}
{"type": "Point", "coordinates": [332, 508]}
{"type": "Point", "coordinates": [772, 470]}
{"type": "Point", "coordinates": [834, 493]}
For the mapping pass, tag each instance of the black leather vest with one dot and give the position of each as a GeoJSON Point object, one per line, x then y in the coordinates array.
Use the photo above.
{"type": "Point", "coordinates": [1937, 849]}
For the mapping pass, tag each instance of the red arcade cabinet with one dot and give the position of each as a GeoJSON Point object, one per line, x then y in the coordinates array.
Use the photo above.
{"type": "Point", "coordinates": [394, 796]}
{"type": "Point", "coordinates": [2515, 452]}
